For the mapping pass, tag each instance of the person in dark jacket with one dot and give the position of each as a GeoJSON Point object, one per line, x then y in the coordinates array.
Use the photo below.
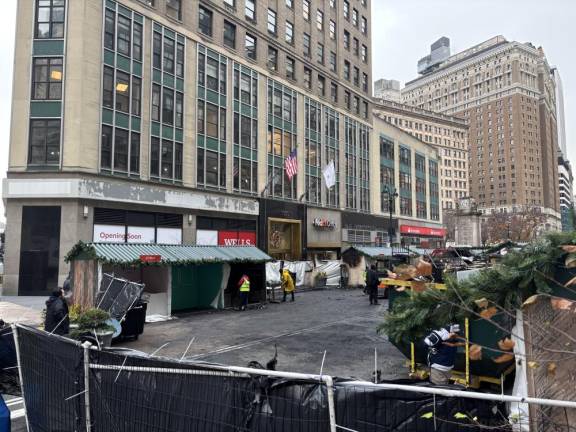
{"type": "Point", "coordinates": [372, 282]}
{"type": "Point", "coordinates": [67, 285]}
{"type": "Point", "coordinates": [57, 320]}
{"type": "Point", "coordinates": [442, 347]}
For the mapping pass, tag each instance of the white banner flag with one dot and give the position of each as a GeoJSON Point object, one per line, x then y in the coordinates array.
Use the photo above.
{"type": "Point", "coordinates": [329, 173]}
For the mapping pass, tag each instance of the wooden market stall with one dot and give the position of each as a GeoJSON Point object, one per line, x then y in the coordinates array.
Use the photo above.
{"type": "Point", "coordinates": [176, 277]}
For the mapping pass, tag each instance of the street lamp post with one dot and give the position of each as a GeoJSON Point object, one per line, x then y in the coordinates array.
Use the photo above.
{"type": "Point", "coordinates": [390, 192]}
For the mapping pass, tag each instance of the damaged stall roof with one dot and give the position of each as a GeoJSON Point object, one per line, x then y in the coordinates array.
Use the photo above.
{"type": "Point", "coordinates": [376, 252]}
{"type": "Point", "coordinates": [373, 252]}
{"type": "Point", "coordinates": [132, 253]}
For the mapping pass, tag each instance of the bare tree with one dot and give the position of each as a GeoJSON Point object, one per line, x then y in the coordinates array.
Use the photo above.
{"type": "Point", "coordinates": [449, 219]}
{"type": "Point", "coordinates": [522, 225]}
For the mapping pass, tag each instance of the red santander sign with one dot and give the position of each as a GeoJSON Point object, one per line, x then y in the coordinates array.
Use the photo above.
{"type": "Point", "coordinates": [236, 238]}
{"type": "Point", "coordinates": [150, 258]}
{"type": "Point", "coordinates": [423, 231]}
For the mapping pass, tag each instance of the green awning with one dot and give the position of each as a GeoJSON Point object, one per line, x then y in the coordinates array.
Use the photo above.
{"type": "Point", "coordinates": [131, 253]}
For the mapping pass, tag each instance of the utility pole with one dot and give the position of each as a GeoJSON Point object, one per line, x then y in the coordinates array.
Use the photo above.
{"type": "Point", "coordinates": [390, 192]}
{"type": "Point", "coordinates": [304, 233]}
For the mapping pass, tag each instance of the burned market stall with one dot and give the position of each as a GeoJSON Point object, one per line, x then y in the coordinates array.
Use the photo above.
{"type": "Point", "coordinates": [356, 259]}
{"type": "Point", "coordinates": [175, 277]}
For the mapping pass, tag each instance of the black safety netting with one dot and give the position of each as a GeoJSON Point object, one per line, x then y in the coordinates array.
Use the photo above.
{"type": "Point", "coordinates": [9, 380]}
{"type": "Point", "coordinates": [53, 381]}
{"type": "Point", "coordinates": [371, 409]}
{"type": "Point", "coordinates": [205, 398]}
{"type": "Point", "coordinates": [131, 391]}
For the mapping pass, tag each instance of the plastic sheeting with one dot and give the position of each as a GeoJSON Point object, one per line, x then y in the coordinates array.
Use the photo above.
{"type": "Point", "coordinates": [4, 416]}
{"type": "Point", "coordinates": [116, 296]}
{"type": "Point", "coordinates": [369, 409]}
{"type": "Point", "coordinates": [519, 412]}
{"type": "Point", "coordinates": [332, 270]}
{"type": "Point", "coordinates": [218, 302]}
{"type": "Point", "coordinates": [463, 275]}
{"type": "Point", "coordinates": [213, 400]}
{"type": "Point", "coordinates": [298, 267]}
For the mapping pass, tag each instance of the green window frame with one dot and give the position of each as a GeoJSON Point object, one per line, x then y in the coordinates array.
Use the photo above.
{"type": "Point", "coordinates": [282, 139]}
{"type": "Point", "coordinates": [167, 107]}
{"type": "Point", "coordinates": [364, 138]}
{"type": "Point", "coordinates": [245, 130]}
{"type": "Point", "coordinates": [313, 148]}
{"type": "Point", "coordinates": [50, 19]}
{"type": "Point", "coordinates": [211, 114]}
{"type": "Point", "coordinates": [332, 152]}
{"type": "Point", "coordinates": [44, 142]}
{"type": "Point", "coordinates": [120, 143]}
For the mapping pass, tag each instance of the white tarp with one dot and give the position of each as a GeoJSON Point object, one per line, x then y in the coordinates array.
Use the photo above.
{"type": "Point", "coordinates": [332, 270]}
{"type": "Point", "coordinates": [462, 275]}
{"type": "Point", "coordinates": [218, 302]}
{"type": "Point", "coordinates": [298, 267]}
{"type": "Point", "coordinates": [519, 414]}
{"type": "Point", "coordinates": [272, 273]}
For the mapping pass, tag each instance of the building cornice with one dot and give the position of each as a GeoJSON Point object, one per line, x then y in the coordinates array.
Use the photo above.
{"type": "Point", "coordinates": [477, 58]}
{"type": "Point", "coordinates": [421, 113]}
{"type": "Point", "coordinates": [406, 135]}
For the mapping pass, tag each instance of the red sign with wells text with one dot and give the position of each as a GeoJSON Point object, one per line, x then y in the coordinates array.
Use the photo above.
{"type": "Point", "coordinates": [423, 231]}
{"type": "Point", "coordinates": [236, 238]}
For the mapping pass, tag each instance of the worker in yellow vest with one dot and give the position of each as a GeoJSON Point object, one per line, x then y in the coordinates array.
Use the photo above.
{"type": "Point", "coordinates": [244, 287]}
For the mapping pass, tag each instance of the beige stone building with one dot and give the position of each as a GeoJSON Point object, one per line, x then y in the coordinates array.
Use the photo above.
{"type": "Point", "coordinates": [410, 168]}
{"type": "Point", "coordinates": [447, 134]}
{"type": "Point", "coordinates": [505, 92]}
{"type": "Point", "coordinates": [171, 121]}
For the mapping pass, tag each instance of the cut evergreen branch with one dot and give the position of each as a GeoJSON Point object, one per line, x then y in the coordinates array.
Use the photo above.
{"type": "Point", "coordinates": [507, 285]}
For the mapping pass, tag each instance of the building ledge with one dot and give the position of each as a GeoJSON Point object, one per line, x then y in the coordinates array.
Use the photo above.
{"type": "Point", "coordinates": [118, 190]}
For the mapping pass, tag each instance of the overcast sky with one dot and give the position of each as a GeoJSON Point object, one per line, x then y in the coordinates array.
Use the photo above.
{"type": "Point", "coordinates": [403, 31]}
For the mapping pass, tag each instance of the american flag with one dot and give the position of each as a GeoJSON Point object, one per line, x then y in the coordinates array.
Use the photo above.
{"type": "Point", "coordinates": [291, 165]}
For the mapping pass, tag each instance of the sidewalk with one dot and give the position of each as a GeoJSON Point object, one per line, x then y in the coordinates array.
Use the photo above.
{"type": "Point", "coordinates": [22, 309]}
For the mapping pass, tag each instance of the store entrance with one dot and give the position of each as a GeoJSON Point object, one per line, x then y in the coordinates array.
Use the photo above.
{"type": "Point", "coordinates": [284, 239]}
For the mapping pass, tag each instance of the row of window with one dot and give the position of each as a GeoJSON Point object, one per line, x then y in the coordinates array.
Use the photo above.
{"type": "Point", "coordinates": [354, 17]}
{"type": "Point", "coordinates": [205, 23]}
{"type": "Point", "coordinates": [356, 77]}
{"type": "Point", "coordinates": [173, 7]}
{"type": "Point", "coordinates": [121, 152]}
{"type": "Point", "coordinates": [123, 35]}
{"type": "Point", "coordinates": [168, 54]}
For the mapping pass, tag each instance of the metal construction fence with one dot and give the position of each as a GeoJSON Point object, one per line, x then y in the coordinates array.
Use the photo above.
{"type": "Point", "coordinates": [71, 387]}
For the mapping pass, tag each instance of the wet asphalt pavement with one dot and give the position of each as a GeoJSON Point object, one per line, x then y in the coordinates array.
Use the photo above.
{"type": "Point", "coordinates": [340, 322]}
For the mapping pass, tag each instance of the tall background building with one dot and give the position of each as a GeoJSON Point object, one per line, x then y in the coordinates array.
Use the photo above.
{"type": "Point", "coordinates": [565, 176]}
{"type": "Point", "coordinates": [565, 183]}
{"type": "Point", "coordinates": [560, 115]}
{"type": "Point", "coordinates": [387, 90]}
{"type": "Point", "coordinates": [507, 94]}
